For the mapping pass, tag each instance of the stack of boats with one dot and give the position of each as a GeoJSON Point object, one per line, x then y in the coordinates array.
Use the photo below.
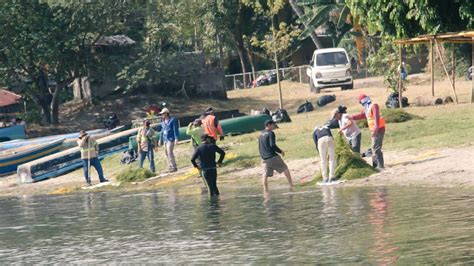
{"type": "Point", "coordinates": [52, 156]}
{"type": "Point", "coordinates": [19, 151]}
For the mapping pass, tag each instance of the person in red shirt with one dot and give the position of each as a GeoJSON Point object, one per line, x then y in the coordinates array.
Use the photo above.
{"type": "Point", "coordinates": [376, 123]}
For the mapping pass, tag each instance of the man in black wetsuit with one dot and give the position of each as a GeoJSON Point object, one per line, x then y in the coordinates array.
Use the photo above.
{"type": "Point", "coordinates": [206, 153]}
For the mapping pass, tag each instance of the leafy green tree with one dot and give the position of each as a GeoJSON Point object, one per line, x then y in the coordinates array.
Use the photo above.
{"type": "Point", "coordinates": [44, 46]}
{"type": "Point", "coordinates": [276, 43]}
{"type": "Point", "coordinates": [409, 18]}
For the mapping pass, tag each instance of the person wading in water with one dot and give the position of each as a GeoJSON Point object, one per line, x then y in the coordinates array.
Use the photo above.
{"type": "Point", "coordinates": [206, 154]}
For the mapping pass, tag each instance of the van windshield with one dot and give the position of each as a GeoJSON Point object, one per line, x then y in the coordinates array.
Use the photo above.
{"type": "Point", "coordinates": [334, 58]}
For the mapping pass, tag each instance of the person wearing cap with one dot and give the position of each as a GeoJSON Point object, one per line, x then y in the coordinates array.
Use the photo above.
{"type": "Point", "coordinates": [195, 131]}
{"type": "Point", "coordinates": [146, 142]}
{"type": "Point", "coordinates": [211, 125]}
{"type": "Point", "coordinates": [269, 153]}
{"type": "Point", "coordinates": [326, 148]}
{"type": "Point", "coordinates": [169, 137]}
{"type": "Point", "coordinates": [348, 127]}
{"type": "Point", "coordinates": [376, 123]}
{"type": "Point", "coordinates": [204, 159]}
{"type": "Point", "coordinates": [89, 151]}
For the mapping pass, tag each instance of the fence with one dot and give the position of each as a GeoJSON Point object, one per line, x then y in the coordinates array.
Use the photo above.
{"type": "Point", "coordinates": [246, 80]}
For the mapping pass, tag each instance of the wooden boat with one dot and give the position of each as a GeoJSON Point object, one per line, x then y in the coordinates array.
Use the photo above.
{"type": "Point", "coordinates": [70, 138]}
{"type": "Point", "coordinates": [10, 159]}
{"type": "Point", "coordinates": [12, 133]}
{"type": "Point", "coordinates": [68, 160]}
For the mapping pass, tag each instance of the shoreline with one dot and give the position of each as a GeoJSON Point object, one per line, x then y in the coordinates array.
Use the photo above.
{"type": "Point", "coordinates": [442, 168]}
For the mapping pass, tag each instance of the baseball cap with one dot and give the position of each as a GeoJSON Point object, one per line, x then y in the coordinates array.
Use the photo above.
{"type": "Point", "coordinates": [164, 110]}
{"type": "Point", "coordinates": [361, 96]}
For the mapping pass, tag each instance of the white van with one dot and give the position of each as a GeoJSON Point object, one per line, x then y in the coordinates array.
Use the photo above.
{"type": "Point", "coordinates": [330, 68]}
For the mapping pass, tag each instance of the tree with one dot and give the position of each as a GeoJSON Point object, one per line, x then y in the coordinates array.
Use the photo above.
{"type": "Point", "coordinates": [409, 18]}
{"type": "Point", "coordinates": [280, 37]}
{"type": "Point", "coordinates": [300, 13]}
{"type": "Point", "coordinates": [45, 46]}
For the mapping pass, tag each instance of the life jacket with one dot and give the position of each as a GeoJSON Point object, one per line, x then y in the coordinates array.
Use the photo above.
{"type": "Point", "coordinates": [90, 150]}
{"type": "Point", "coordinates": [371, 118]}
{"type": "Point", "coordinates": [208, 124]}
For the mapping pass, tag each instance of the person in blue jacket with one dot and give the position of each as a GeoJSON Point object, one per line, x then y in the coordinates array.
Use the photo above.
{"type": "Point", "coordinates": [169, 138]}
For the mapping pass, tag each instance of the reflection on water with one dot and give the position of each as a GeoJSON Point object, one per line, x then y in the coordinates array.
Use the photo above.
{"type": "Point", "coordinates": [321, 225]}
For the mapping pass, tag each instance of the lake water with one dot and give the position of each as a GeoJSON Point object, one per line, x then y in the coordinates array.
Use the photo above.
{"type": "Point", "coordinates": [320, 225]}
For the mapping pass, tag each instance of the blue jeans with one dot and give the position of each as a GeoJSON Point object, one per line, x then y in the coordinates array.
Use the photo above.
{"type": "Point", "coordinates": [147, 154]}
{"type": "Point", "coordinates": [98, 167]}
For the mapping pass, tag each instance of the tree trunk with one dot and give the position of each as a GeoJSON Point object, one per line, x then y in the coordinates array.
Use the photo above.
{"type": "Point", "coordinates": [241, 53]}
{"type": "Point", "coordinates": [252, 65]}
{"type": "Point", "coordinates": [299, 12]}
{"type": "Point", "coordinates": [55, 106]}
{"type": "Point", "coordinates": [42, 96]}
{"type": "Point", "coordinates": [82, 89]}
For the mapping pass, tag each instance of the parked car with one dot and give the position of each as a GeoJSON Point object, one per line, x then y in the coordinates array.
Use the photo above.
{"type": "Point", "coordinates": [469, 73]}
{"type": "Point", "coordinates": [330, 68]}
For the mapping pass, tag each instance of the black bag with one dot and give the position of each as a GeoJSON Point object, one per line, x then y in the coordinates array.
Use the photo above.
{"type": "Point", "coordinates": [392, 101]}
{"type": "Point", "coordinates": [325, 99]}
{"type": "Point", "coordinates": [128, 157]}
{"type": "Point", "coordinates": [306, 107]}
{"type": "Point", "coordinates": [281, 116]}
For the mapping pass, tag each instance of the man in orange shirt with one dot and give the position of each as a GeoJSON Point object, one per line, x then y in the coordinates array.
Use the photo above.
{"type": "Point", "coordinates": [211, 125]}
{"type": "Point", "coordinates": [376, 123]}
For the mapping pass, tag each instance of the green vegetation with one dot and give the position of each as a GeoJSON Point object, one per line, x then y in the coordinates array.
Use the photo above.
{"type": "Point", "coordinates": [134, 174]}
{"type": "Point", "coordinates": [397, 116]}
{"type": "Point", "coordinates": [350, 165]}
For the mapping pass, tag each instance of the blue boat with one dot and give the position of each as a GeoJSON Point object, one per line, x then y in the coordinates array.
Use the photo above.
{"type": "Point", "coordinates": [70, 138]}
{"type": "Point", "coordinates": [10, 159]}
{"type": "Point", "coordinates": [12, 133]}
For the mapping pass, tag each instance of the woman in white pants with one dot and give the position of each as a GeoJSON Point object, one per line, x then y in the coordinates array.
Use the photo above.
{"type": "Point", "coordinates": [326, 148]}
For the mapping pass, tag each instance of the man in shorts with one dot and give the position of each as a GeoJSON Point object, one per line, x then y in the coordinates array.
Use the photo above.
{"type": "Point", "coordinates": [269, 153]}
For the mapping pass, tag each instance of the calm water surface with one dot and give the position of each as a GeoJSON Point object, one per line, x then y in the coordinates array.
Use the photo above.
{"type": "Point", "coordinates": [323, 225]}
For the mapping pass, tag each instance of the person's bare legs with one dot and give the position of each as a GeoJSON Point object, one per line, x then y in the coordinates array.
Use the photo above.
{"type": "Point", "coordinates": [288, 178]}
{"type": "Point", "coordinates": [265, 184]}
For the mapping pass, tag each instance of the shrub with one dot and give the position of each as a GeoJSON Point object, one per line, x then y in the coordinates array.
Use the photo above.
{"type": "Point", "coordinates": [134, 174]}
{"type": "Point", "coordinates": [391, 116]}
{"type": "Point", "coordinates": [397, 116]}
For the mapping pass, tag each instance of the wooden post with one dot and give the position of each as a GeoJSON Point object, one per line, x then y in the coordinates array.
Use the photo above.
{"type": "Point", "coordinates": [400, 77]}
{"type": "Point", "coordinates": [301, 77]}
{"type": "Point", "coordinates": [453, 62]}
{"type": "Point", "coordinates": [446, 71]}
{"type": "Point", "coordinates": [280, 97]}
{"type": "Point", "coordinates": [234, 83]}
{"type": "Point", "coordinates": [432, 68]}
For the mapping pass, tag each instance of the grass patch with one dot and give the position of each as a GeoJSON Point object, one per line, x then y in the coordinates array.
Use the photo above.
{"type": "Point", "coordinates": [398, 116]}
{"type": "Point", "coordinates": [391, 116]}
{"type": "Point", "coordinates": [134, 174]}
{"type": "Point", "coordinates": [349, 165]}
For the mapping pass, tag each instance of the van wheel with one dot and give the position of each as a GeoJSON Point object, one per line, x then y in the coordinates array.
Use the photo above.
{"type": "Point", "coordinates": [318, 90]}
{"type": "Point", "coordinates": [348, 87]}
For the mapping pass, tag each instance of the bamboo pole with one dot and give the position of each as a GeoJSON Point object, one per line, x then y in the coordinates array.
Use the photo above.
{"type": "Point", "coordinates": [432, 68]}
{"type": "Point", "coordinates": [446, 71]}
{"type": "Point", "coordinates": [400, 77]}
